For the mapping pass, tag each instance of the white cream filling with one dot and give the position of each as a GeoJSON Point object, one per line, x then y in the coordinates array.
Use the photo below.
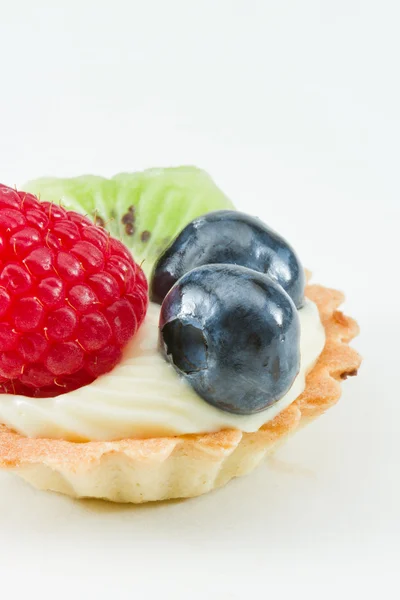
{"type": "Point", "coordinates": [144, 396]}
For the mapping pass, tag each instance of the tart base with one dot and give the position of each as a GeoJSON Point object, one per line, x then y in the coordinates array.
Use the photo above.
{"type": "Point", "coordinates": [139, 471]}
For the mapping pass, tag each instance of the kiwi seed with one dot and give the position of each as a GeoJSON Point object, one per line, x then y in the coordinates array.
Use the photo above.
{"type": "Point", "coordinates": [129, 229]}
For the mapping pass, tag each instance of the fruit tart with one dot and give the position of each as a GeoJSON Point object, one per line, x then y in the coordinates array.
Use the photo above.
{"type": "Point", "coordinates": [154, 342]}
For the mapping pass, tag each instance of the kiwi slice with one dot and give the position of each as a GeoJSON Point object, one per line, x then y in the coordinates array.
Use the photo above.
{"type": "Point", "coordinates": [145, 210]}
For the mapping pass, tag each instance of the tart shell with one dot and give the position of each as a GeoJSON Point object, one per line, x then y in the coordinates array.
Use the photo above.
{"type": "Point", "coordinates": [133, 470]}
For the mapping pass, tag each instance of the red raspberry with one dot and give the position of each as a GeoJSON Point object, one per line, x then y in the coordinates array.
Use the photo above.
{"type": "Point", "coordinates": [71, 297]}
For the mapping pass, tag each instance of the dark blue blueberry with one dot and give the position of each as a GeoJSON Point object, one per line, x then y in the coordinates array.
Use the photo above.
{"type": "Point", "coordinates": [229, 237]}
{"type": "Point", "coordinates": [233, 334]}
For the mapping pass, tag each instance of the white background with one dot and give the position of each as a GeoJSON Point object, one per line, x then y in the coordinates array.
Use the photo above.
{"type": "Point", "coordinates": [294, 109]}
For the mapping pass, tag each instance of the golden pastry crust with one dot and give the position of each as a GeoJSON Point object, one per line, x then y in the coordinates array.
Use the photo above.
{"type": "Point", "coordinates": [137, 471]}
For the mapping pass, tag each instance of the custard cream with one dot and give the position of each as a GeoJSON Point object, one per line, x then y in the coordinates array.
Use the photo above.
{"type": "Point", "coordinates": [143, 396]}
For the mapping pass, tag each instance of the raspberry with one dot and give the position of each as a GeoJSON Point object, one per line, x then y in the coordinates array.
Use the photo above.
{"type": "Point", "coordinates": [71, 297]}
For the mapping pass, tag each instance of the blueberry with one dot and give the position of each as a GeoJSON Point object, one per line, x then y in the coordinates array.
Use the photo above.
{"type": "Point", "coordinates": [229, 237]}
{"type": "Point", "coordinates": [233, 334]}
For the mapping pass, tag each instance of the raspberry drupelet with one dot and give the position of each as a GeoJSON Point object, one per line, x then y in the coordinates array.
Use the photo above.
{"type": "Point", "coordinates": [71, 297]}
